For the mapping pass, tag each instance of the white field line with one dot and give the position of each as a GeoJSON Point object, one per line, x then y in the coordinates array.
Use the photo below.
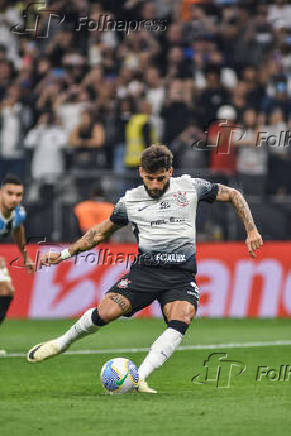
{"type": "Point", "coordinates": [182, 348]}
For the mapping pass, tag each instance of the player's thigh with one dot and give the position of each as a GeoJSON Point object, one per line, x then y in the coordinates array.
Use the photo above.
{"type": "Point", "coordinates": [179, 311]}
{"type": "Point", "coordinates": [2, 262]}
{"type": "Point", "coordinates": [113, 306]}
{"type": "Point", "coordinates": [6, 289]}
{"type": "Point", "coordinates": [135, 290]}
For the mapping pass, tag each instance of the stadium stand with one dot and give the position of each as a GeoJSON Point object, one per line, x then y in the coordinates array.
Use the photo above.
{"type": "Point", "coordinates": [71, 103]}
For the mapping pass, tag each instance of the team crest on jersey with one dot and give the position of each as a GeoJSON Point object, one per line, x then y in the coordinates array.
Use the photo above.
{"type": "Point", "coordinates": [123, 283]}
{"type": "Point", "coordinates": [181, 199]}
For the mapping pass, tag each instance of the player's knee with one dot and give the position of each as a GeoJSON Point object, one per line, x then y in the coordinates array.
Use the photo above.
{"type": "Point", "coordinates": [113, 306]}
{"type": "Point", "coordinates": [2, 263]}
{"type": "Point", "coordinates": [6, 290]}
{"type": "Point", "coordinates": [184, 313]}
{"type": "Point", "coordinates": [108, 315]}
{"type": "Point", "coordinates": [189, 314]}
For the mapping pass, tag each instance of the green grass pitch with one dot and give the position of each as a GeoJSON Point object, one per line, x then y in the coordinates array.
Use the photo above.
{"type": "Point", "coordinates": [63, 396]}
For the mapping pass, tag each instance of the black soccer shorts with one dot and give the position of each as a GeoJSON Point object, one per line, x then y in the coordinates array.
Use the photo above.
{"type": "Point", "coordinates": [144, 284]}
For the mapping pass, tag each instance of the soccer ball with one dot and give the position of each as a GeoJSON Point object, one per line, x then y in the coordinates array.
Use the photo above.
{"type": "Point", "coordinates": [119, 376]}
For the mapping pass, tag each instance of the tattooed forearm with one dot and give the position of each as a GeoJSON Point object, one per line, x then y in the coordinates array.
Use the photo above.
{"type": "Point", "coordinates": [254, 239]}
{"type": "Point", "coordinates": [225, 193]}
{"type": "Point", "coordinates": [85, 243]}
{"type": "Point", "coordinates": [243, 210]}
{"type": "Point", "coordinates": [93, 236]}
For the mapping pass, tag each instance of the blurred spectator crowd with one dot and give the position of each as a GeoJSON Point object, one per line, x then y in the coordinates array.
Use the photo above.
{"type": "Point", "coordinates": [95, 99]}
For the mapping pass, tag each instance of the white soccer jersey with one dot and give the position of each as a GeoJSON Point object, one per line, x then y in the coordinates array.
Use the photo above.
{"type": "Point", "coordinates": [165, 227]}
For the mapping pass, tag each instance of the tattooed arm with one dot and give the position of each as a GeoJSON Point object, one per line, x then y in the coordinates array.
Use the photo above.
{"type": "Point", "coordinates": [92, 237]}
{"type": "Point", "coordinates": [254, 239]}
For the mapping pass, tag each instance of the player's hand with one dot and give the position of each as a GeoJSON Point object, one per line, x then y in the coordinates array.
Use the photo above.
{"type": "Point", "coordinates": [29, 265]}
{"type": "Point", "coordinates": [254, 241]}
{"type": "Point", "coordinates": [50, 258]}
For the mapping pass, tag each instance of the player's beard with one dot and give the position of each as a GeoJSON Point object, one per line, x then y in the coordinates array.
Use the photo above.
{"type": "Point", "coordinates": [6, 208]}
{"type": "Point", "coordinates": [10, 208]}
{"type": "Point", "coordinates": [157, 193]}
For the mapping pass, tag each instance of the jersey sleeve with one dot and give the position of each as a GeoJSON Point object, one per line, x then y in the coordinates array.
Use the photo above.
{"type": "Point", "coordinates": [206, 191]}
{"type": "Point", "coordinates": [20, 216]}
{"type": "Point", "coordinates": [119, 215]}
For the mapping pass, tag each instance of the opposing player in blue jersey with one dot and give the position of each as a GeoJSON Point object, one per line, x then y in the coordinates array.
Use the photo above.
{"type": "Point", "coordinates": [162, 212]}
{"type": "Point", "coordinates": [12, 216]}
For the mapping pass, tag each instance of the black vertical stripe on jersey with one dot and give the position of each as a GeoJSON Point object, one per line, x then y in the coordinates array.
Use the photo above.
{"type": "Point", "coordinates": [7, 229]}
{"type": "Point", "coordinates": [136, 231]}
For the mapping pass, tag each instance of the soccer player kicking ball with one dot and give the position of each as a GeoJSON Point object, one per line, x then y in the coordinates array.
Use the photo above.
{"type": "Point", "coordinates": [162, 212]}
{"type": "Point", "coordinates": [12, 216]}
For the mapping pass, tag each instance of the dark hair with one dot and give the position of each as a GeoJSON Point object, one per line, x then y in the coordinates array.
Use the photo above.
{"type": "Point", "coordinates": [10, 179]}
{"type": "Point", "coordinates": [155, 158]}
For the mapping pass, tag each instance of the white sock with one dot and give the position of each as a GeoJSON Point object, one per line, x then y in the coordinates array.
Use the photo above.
{"type": "Point", "coordinates": [83, 327]}
{"type": "Point", "coordinates": [160, 351]}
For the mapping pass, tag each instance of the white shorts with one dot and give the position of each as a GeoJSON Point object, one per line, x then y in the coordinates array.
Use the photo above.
{"type": "Point", "coordinates": [4, 275]}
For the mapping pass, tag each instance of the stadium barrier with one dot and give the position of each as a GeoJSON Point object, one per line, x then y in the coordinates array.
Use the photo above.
{"type": "Point", "coordinates": [231, 283]}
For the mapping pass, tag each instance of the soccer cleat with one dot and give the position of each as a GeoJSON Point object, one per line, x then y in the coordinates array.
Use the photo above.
{"type": "Point", "coordinates": [2, 352]}
{"type": "Point", "coordinates": [144, 387]}
{"type": "Point", "coordinates": [43, 351]}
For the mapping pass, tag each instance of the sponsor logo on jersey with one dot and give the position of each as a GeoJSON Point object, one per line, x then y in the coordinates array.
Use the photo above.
{"type": "Point", "coordinates": [181, 199]}
{"type": "Point", "coordinates": [164, 205]}
{"type": "Point", "coordinates": [158, 222]}
{"type": "Point", "coordinates": [170, 258]}
{"type": "Point", "coordinates": [174, 219]}
{"type": "Point", "coordinates": [143, 207]}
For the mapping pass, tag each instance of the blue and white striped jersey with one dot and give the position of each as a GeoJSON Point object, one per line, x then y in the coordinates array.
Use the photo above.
{"type": "Point", "coordinates": [16, 218]}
